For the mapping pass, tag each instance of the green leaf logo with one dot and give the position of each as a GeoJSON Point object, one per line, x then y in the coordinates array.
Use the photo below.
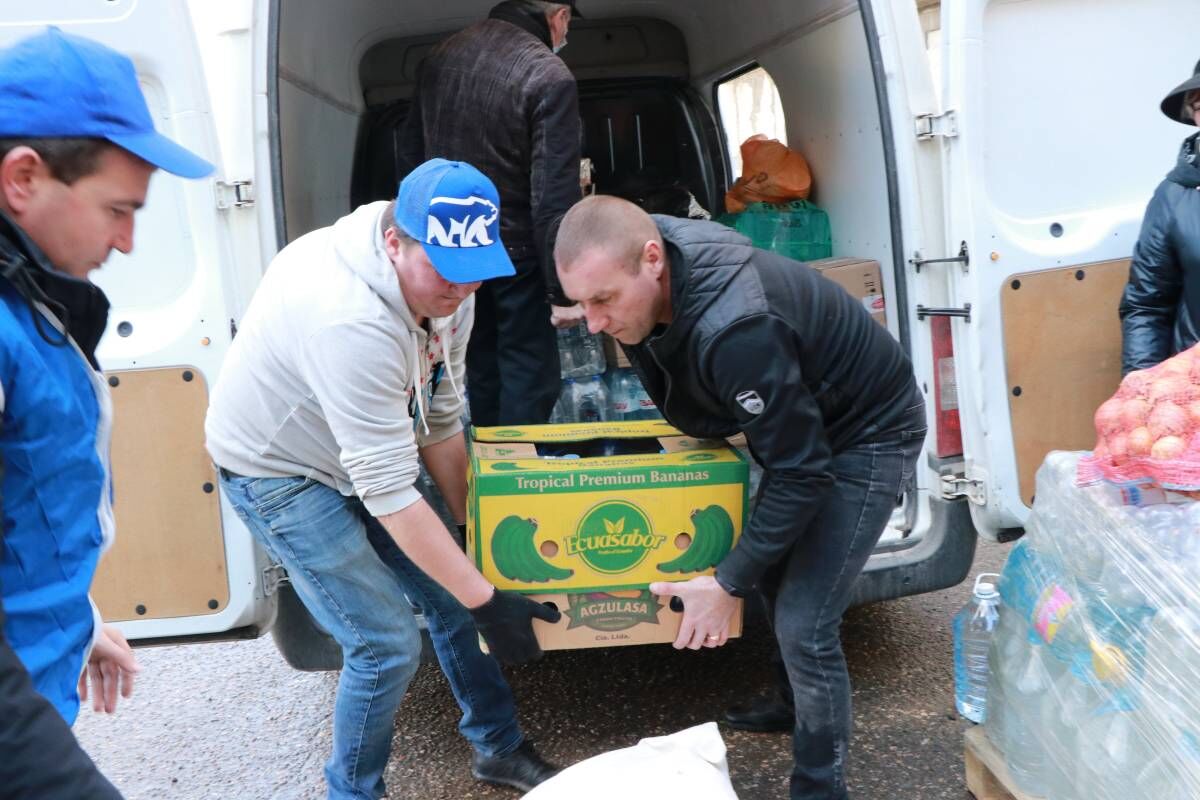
{"type": "Point", "coordinates": [613, 537]}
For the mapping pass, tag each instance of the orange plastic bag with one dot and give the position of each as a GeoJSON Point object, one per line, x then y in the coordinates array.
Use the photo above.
{"type": "Point", "coordinates": [1149, 431]}
{"type": "Point", "coordinates": [771, 173]}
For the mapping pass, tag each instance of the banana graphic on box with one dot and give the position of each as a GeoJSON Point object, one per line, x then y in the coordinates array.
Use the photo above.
{"type": "Point", "coordinates": [516, 554]}
{"type": "Point", "coordinates": [711, 543]}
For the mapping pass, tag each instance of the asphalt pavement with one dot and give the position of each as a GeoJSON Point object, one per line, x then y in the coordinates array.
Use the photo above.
{"type": "Point", "coordinates": [233, 720]}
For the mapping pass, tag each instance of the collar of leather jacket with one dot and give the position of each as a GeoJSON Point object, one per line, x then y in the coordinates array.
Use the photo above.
{"type": "Point", "coordinates": [512, 13]}
{"type": "Point", "coordinates": [704, 258]}
{"type": "Point", "coordinates": [79, 305]}
{"type": "Point", "coordinates": [1187, 169]}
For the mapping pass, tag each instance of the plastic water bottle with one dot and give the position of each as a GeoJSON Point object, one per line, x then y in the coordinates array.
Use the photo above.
{"type": "Point", "coordinates": [628, 397]}
{"type": "Point", "coordinates": [580, 353]}
{"type": "Point", "coordinates": [1035, 585]}
{"type": "Point", "coordinates": [973, 628]}
{"type": "Point", "coordinates": [619, 401]}
{"type": "Point", "coordinates": [562, 407]}
{"type": "Point", "coordinates": [589, 400]}
{"type": "Point", "coordinates": [1025, 746]}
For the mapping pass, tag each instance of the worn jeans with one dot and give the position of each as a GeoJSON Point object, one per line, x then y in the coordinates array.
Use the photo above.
{"type": "Point", "coordinates": [809, 591]}
{"type": "Point", "coordinates": [361, 588]}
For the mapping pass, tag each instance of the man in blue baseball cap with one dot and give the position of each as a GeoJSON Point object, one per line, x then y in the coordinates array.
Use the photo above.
{"type": "Point", "coordinates": [346, 375]}
{"type": "Point", "coordinates": [77, 149]}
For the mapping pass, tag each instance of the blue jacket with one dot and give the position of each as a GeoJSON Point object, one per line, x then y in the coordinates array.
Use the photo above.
{"type": "Point", "coordinates": [55, 491]}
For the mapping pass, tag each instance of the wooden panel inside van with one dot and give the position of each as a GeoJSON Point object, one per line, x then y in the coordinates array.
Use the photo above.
{"type": "Point", "coordinates": [169, 556]}
{"type": "Point", "coordinates": [1062, 350]}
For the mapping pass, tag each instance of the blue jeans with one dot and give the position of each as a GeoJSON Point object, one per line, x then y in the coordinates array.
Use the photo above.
{"type": "Point", "coordinates": [808, 592]}
{"type": "Point", "coordinates": [360, 587]}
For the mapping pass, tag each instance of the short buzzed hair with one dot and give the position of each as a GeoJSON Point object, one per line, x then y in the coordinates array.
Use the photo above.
{"type": "Point", "coordinates": [617, 226]}
{"type": "Point", "coordinates": [387, 222]}
{"type": "Point", "coordinates": [67, 158]}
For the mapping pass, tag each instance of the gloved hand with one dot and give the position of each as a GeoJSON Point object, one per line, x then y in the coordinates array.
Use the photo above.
{"type": "Point", "coordinates": [506, 623]}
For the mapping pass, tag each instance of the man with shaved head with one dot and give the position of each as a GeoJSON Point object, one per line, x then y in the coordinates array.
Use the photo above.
{"type": "Point", "coordinates": [729, 338]}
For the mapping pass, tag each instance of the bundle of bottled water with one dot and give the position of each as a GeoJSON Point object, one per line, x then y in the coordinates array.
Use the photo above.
{"type": "Point", "coordinates": [591, 390]}
{"type": "Point", "coordinates": [1093, 669]}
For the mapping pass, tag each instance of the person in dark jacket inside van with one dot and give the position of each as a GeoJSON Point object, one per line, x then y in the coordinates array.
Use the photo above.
{"type": "Point", "coordinates": [729, 338]}
{"type": "Point", "coordinates": [1160, 309]}
{"type": "Point", "coordinates": [77, 149]}
{"type": "Point", "coordinates": [497, 96]}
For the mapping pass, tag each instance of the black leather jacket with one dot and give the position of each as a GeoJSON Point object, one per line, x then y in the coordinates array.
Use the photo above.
{"type": "Point", "coordinates": [1160, 309]}
{"type": "Point", "coordinates": [762, 344]}
{"type": "Point", "coordinates": [495, 96]}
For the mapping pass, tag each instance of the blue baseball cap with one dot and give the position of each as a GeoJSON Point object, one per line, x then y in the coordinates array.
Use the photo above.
{"type": "Point", "coordinates": [55, 84]}
{"type": "Point", "coordinates": [453, 210]}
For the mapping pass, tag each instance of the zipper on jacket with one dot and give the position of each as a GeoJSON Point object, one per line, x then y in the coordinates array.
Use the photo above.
{"type": "Point", "coordinates": [667, 377]}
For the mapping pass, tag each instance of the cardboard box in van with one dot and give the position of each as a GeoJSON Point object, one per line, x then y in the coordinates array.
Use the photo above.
{"type": "Point", "coordinates": [608, 619]}
{"type": "Point", "coordinates": [600, 507]}
{"type": "Point", "coordinates": [858, 276]}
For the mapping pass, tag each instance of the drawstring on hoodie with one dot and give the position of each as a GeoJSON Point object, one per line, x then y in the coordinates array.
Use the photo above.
{"type": "Point", "coordinates": [16, 272]}
{"type": "Point", "coordinates": [419, 382]}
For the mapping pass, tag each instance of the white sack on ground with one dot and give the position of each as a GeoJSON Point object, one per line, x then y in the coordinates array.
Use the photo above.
{"type": "Point", "coordinates": [690, 763]}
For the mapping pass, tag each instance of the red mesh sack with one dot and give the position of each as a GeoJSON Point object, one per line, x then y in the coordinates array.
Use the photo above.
{"type": "Point", "coordinates": [771, 173]}
{"type": "Point", "coordinates": [1149, 431]}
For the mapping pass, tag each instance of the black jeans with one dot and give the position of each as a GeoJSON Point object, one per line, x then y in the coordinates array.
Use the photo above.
{"type": "Point", "coordinates": [809, 591]}
{"type": "Point", "coordinates": [512, 358]}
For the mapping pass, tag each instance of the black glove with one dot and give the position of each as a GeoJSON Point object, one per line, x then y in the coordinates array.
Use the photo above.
{"type": "Point", "coordinates": [506, 623]}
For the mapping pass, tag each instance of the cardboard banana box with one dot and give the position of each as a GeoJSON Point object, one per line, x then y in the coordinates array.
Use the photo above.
{"type": "Point", "coordinates": [611, 619]}
{"type": "Point", "coordinates": [600, 507]}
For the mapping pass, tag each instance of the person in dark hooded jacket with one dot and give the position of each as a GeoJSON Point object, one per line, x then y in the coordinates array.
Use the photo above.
{"type": "Point", "coordinates": [728, 338]}
{"type": "Point", "coordinates": [1160, 309]}
{"type": "Point", "coordinates": [497, 96]}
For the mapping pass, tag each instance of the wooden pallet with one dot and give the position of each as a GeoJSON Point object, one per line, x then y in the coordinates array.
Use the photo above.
{"type": "Point", "coordinates": [987, 774]}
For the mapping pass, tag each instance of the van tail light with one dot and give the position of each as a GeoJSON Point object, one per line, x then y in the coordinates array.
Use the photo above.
{"type": "Point", "coordinates": [945, 390]}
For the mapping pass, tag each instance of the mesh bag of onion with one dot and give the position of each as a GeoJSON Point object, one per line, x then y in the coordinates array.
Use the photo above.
{"type": "Point", "coordinates": [1149, 431]}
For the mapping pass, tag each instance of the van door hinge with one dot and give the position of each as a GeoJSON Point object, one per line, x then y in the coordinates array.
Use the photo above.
{"type": "Point", "coordinates": [944, 125]}
{"type": "Point", "coordinates": [234, 194]}
{"type": "Point", "coordinates": [956, 486]}
{"type": "Point", "coordinates": [272, 577]}
{"type": "Point", "coordinates": [963, 257]}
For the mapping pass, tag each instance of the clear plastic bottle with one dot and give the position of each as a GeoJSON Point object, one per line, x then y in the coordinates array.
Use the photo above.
{"type": "Point", "coordinates": [1112, 748]}
{"type": "Point", "coordinates": [580, 353]}
{"type": "Point", "coordinates": [589, 399]}
{"type": "Point", "coordinates": [629, 398]}
{"type": "Point", "coordinates": [619, 401]}
{"type": "Point", "coordinates": [973, 628]}
{"type": "Point", "coordinates": [1024, 736]}
{"type": "Point", "coordinates": [1010, 643]}
{"type": "Point", "coordinates": [1035, 585]}
{"type": "Point", "coordinates": [563, 411]}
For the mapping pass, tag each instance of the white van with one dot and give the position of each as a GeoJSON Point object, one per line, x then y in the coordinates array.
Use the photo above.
{"type": "Point", "coordinates": [1002, 199]}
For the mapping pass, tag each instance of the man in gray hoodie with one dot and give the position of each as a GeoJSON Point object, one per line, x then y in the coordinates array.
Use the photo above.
{"type": "Point", "coordinates": [346, 374]}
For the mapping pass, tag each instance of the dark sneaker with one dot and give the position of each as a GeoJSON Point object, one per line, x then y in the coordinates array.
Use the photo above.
{"type": "Point", "coordinates": [770, 714]}
{"type": "Point", "coordinates": [521, 769]}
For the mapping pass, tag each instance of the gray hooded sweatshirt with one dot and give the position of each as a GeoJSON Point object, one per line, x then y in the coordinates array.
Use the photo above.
{"type": "Point", "coordinates": [330, 378]}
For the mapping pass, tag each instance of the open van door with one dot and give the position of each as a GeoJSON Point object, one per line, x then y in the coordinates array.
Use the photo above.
{"type": "Point", "coordinates": [182, 565]}
{"type": "Point", "coordinates": [1052, 143]}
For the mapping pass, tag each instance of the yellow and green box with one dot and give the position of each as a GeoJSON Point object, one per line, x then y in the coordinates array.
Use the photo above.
{"type": "Point", "coordinates": [549, 511]}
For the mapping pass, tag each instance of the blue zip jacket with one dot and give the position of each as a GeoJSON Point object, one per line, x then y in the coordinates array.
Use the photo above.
{"type": "Point", "coordinates": [57, 512]}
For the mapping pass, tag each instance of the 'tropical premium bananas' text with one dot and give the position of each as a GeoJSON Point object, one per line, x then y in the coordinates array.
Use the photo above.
{"type": "Point", "coordinates": [583, 480]}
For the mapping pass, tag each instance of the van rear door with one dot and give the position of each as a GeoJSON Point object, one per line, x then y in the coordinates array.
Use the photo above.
{"type": "Point", "coordinates": [1055, 146]}
{"type": "Point", "coordinates": [173, 572]}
